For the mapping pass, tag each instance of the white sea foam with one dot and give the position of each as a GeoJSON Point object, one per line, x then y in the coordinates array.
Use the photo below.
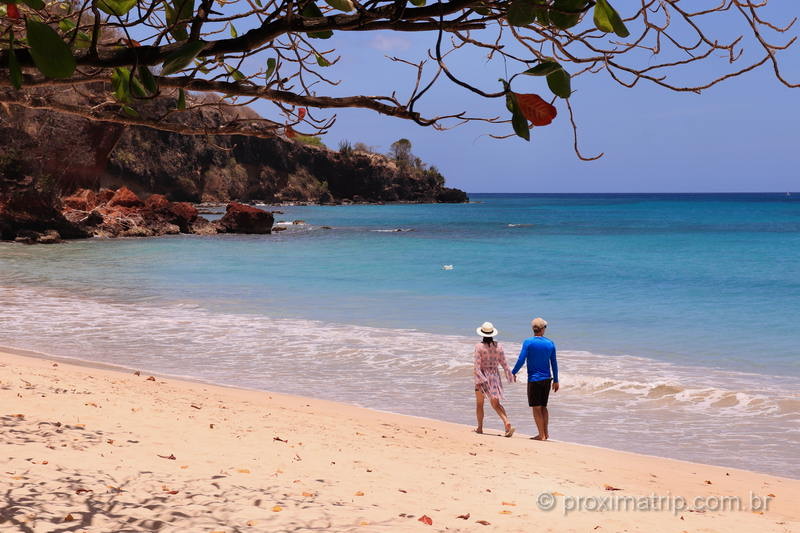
{"type": "Point", "coordinates": [650, 405]}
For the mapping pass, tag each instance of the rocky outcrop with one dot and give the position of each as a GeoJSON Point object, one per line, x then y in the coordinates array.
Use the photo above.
{"type": "Point", "coordinates": [240, 218]}
{"type": "Point", "coordinates": [27, 215]}
{"type": "Point", "coordinates": [122, 213]}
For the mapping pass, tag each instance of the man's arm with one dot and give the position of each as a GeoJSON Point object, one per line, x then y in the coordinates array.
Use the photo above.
{"type": "Point", "coordinates": [554, 366]}
{"type": "Point", "coordinates": [521, 359]}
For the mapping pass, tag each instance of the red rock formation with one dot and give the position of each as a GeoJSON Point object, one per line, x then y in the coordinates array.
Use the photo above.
{"type": "Point", "coordinates": [125, 197]}
{"type": "Point", "coordinates": [240, 218]}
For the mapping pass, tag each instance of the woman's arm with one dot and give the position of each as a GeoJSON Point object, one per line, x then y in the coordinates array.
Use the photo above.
{"type": "Point", "coordinates": [502, 354]}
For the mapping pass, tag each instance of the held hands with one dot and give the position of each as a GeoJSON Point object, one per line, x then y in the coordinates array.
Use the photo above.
{"type": "Point", "coordinates": [555, 386]}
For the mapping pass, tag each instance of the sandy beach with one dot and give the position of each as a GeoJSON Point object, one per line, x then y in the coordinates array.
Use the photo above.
{"type": "Point", "coordinates": [94, 449]}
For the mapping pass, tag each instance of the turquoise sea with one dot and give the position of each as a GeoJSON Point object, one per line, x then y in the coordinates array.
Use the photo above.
{"type": "Point", "coordinates": [675, 315]}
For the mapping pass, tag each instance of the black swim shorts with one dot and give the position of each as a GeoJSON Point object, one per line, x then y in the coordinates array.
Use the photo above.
{"type": "Point", "coordinates": [538, 392]}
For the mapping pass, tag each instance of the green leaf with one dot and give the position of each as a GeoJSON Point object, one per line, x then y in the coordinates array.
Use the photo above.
{"type": "Point", "coordinates": [116, 7]}
{"type": "Point", "coordinates": [271, 63]}
{"type": "Point", "coordinates": [181, 99]}
{"type": "Point", "coordinates": [148, 80]}
{"type": "Point", "coordinates": [235, 74]}
{"type": "Point", "coordinates": [34, 4]}
{"type": "Point", "coordinates": [66, 25]}
{"type": "Point", "coordinates": [14, 72]}
{"type": "Point", "coordinates": [312, 11]}
{"type": "Point", "coordinates": [518, 120]}
{"type": "Point", "coordinates": [342, 5]}
{"type": "Point", "coordinates": [321, 61]}
{"type": "Point", "coordinates": [120, 82]}
{"type": "Point", "coordinates": [418, 3]}
{"type": "Point", "coordinates": [50, 53]}
{"type": "Point", "coordinates": [234, 33]}
{"type": "Point", "coordinates": [176, 18]}
{"type": "Point", "coordinates": [182, 57]}
{"type": "Point", "coordinates": [544, 68]}
{"type": "Point", "coordinates": [559, 82]}
{"type": "Point", "coordinates": [201, 66]}
{"type": "Point", "coordinates": [521, 12]}
{"type": "Point", "coordinates": [608, 20]}
{"type": "Point", "coordinates": [567, 13]}
{"type": "Point", "coordinates": [131, 112]}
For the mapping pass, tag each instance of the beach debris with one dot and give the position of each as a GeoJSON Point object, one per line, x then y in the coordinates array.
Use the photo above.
{"type": "Point", "coordinates": [483, 522]}
{"type": "Point", "coordinates": [277, 509]}
{"type": "Point", "coordinates": [596, 527]}
{"type": "Point", "coordinates": [243, 471]}
{"type": "Point", "coordinates": [363, 523]}
{"type": "Point", "coordinates": [151, 378]}
{"type": "Point", "coordinates": [69, 518]}
{"type": "Point", "coordinates": [425, 519]}
{"type": "Point", "coordinates": [252, 523]}
{"type": "Point", "coordinates": [110, 441]}
{"type": "Point", "coordinates": [359, 493]}
{"type": "Point", "coordinates": [196, 406]}
{"type": "Point", "coordinates": [770, 494]}
{"type": "Point", "coordinates": [707, 482]}
{"type": "Point", "coordinates": [308, 494]}
{"type": "Point", "coordinates": [403, 491]}
{"type": "Point", "coordinates": [55, 364]}
{"type": "Point", "coordinates": [609, 487]}
{"type": "Point", "coordinates": [279, 439]}
{"type": "Point", "coordinates": [137, 373]}
{"type": "Point", "coordinates": [170, 457]}
{"type": "Point", "coordinates": [505, 511]}
{"type": "Point", "coordinates": [512, 504]}
{"type": "Point", "coordinates": [447, 267]}
{"type": "Point", "coordinates": [81, 491]}
{"type": "Point", "coordinates": [463, 516]}
{"type": "Point", "coordinates": [211, 426]}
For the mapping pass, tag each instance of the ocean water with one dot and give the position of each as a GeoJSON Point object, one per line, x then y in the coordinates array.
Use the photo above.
{"type": "Point", "coordinates": [675, 315]}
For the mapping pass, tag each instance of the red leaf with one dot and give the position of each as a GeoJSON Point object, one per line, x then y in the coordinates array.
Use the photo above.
{"type": "Point", "coordinates": [483, 522]}
{"type": "Point", "coordinates": [290, 133]}
{"type": "Point", "coordinates": [301, 113]}
{"type": "Point", "coordinates": [425, 519]}
{"type": "Point", "coordinates": [535, 109]}
{"type": "Point", "coordinates": [463, 516]}
{"type": "Point", "coordinates": [13, 12]}
{"type": "Point", "coordinates": [609, 487]}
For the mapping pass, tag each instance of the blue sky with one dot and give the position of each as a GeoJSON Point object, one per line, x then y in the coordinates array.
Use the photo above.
{"type": "Point", "coordinates": [739, 136]}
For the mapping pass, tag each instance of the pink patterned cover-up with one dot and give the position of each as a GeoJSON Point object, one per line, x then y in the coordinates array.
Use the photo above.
{"type": "Point", "coordinates": [487, 376]}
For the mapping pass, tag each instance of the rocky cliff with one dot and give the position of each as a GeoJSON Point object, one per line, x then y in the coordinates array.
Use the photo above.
{"type": "Point", "coordinates": [75, 153]}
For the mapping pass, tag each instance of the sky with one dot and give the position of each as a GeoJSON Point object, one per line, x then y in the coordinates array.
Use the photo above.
{"type": "Point", "coordinates": [740, 136]}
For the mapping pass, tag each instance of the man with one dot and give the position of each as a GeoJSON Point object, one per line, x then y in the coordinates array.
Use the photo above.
{"type": "Point", "coordinates": [539, 353]}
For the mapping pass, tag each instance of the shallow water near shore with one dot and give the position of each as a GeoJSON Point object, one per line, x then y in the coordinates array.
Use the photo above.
{"type": "Point", "coordinates": [674, 314]}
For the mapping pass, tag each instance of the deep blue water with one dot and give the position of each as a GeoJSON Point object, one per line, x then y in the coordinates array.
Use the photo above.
{"type": "Point", "coordinates": [644, 289]}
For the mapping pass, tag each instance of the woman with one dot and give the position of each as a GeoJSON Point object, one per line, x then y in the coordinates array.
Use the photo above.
{"type": "Point", "coordinates": [489, 354]}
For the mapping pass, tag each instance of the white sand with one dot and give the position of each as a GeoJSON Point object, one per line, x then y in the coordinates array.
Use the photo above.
{"type": "Point", "coordinates": [95, 446]}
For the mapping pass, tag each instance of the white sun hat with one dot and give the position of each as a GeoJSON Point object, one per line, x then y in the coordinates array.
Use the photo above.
{"type": "Point", "coordinates": [487, 330]}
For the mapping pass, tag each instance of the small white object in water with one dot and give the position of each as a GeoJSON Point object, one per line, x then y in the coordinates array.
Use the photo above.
{"type": "Point", "coordinates": [447, 267]}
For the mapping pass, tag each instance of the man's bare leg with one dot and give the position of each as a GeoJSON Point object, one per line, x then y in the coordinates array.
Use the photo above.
{"type": "Point", "coordinates": [538, 417]}
{"type": "Point", "coordinates": [479, 410]}
{"type": "Point", "coordinates": [502, 412]}
{"type": "Point", "coordinates": [546, 417]}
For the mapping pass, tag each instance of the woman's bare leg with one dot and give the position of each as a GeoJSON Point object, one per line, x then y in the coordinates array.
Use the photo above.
{"type": "Point", "coordinates": [479, 410]}
{"type": "Point", "coordinates": [502, 412]}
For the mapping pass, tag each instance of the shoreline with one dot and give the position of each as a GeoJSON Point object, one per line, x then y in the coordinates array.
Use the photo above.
{"type": "Point", "coordinates": [322, 463]}
{"type": "Point", "coordinates": [89, 364]}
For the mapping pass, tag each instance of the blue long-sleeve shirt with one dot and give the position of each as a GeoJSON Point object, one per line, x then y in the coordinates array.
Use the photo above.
{"type": "Point", "coordinates": [540, 354]}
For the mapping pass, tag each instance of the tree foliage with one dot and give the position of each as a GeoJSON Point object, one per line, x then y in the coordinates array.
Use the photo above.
{"type": "Point", "coordinates": [282, 51]}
